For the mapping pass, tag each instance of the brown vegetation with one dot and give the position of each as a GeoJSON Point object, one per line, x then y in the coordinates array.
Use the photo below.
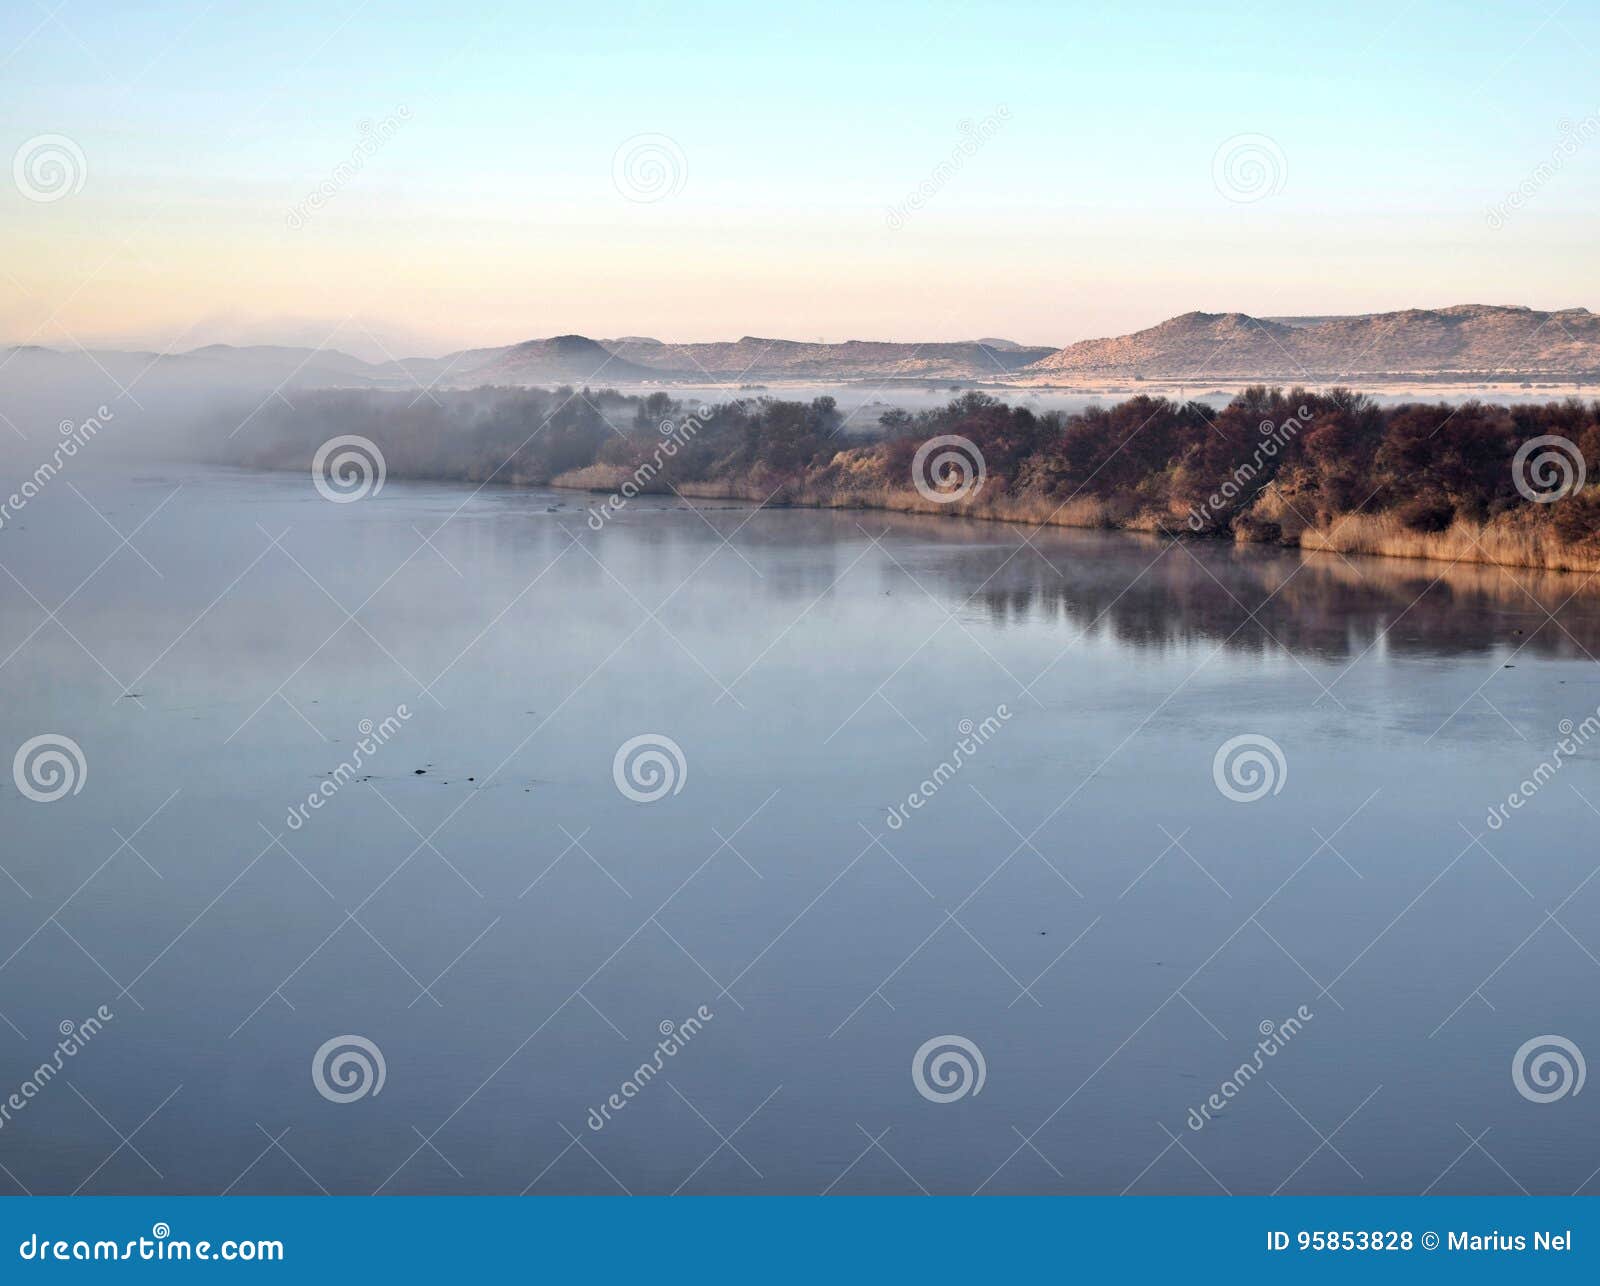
{"type": "Point", "coordinates": [1323, 471]}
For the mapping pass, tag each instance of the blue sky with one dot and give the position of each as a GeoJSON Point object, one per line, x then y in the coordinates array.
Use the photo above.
{"type": "Point", "coordinates": [492, 212]}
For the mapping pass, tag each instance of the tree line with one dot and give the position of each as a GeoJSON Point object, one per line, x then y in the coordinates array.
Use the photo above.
{"type": "Point", "coordinates": [1270, 465]}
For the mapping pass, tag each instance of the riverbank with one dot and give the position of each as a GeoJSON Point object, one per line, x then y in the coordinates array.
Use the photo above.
{"type": "Point", "coordinates": [1502, 543]}
{"type": "Point", "coordinates": [1333, 470]}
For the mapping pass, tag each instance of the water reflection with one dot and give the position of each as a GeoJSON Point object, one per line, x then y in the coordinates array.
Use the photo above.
{"type": "Point", "coordinates": [1150, 593]}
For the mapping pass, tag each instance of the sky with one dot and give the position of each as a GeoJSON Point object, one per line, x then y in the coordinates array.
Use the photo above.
{"type": "Point", "coordinates": [413, 178]}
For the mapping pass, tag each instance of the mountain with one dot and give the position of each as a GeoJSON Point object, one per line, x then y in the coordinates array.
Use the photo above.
{"type": "Point", "coordinates": [753, 358]}
{"type": "Point", "coordinates": [216, 366]}
{"type": "Point", "coordinates": [266, 370]}
{"type": "Point", "coordinates": [563, 359]}
{"type": "Point", "coordinates": [1469, 340]}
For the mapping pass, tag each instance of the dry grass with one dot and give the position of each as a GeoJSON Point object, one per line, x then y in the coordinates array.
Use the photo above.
{"type": "Point", "coordinates": [593, 477]}
{"type": "Point", "coordinates": [1515, 541]}
{"type": "Point", "coordinates": [1518, 588]}
{"type": "Point", "coordinates": [1036, 510]}
{"type": "Point", "coordinates": [1503, 543]}
{"type": "Point", "coordinates": [729, 490]}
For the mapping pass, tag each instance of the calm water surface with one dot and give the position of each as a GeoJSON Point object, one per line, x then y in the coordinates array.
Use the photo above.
{"type": "Point", "coordinates": [1077, 899]}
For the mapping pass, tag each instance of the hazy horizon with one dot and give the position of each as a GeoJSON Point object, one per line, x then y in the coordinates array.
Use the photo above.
{"type": "Point", "coordinates": [424, 184]}
{"type": "Point", "coordinates": [368, 341]}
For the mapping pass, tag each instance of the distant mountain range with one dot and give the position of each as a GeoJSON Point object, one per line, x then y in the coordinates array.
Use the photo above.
{"type": "Point", "coordinates": [855, 359]}
{"type": "Point", "coordinates": [561, 359]}
{"type": "Point", "coordinates": [1467, 342]}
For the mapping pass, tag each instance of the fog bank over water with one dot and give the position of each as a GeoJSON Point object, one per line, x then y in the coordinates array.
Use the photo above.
{"type": "Point", "coordinates": [173, 404]}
